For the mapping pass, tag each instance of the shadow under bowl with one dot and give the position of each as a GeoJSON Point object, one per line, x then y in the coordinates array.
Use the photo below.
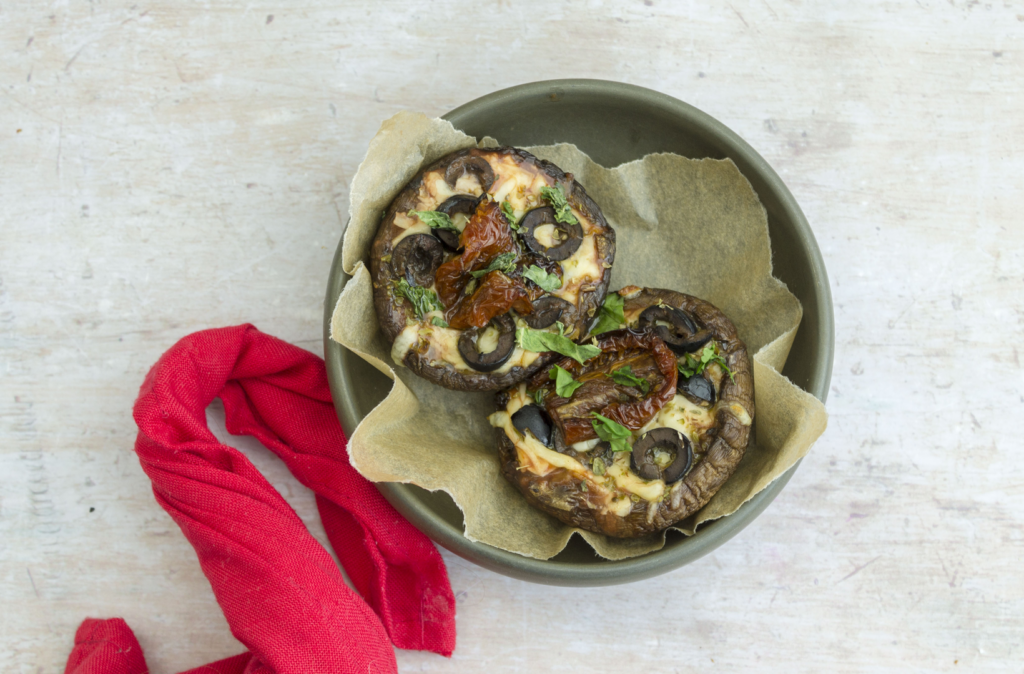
{"type": "Point", "coordinates": [613, 123]}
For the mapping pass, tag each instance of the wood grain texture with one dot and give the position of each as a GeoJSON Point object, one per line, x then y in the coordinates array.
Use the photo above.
{"type": "Point", "coordinates": [168, 167]}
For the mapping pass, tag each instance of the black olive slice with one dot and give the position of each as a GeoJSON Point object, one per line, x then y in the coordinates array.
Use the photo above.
{"type": "Point", "coordinates": [694, 342]}
{"type": "Point", "coordinates": [417, 257]}
{"type": "Point", "coordinates": [536, 420]}
{"type": "Point", "coordinates": [492, 360]}
{"type": "Point", "coordinates": [460, 203]}
{"type": "Point", "coordinates": [681, 334]}
{"type": "Point", "coordinates": [470, 164]}
{"type": "Point", "coordinates": [697, 388]}
{"type": "Point", "coordinates": [571, 236]}
{"type": "Point", "coordinates": [668, 440]}
{"type": "Point", "coordinates": [547, 310]}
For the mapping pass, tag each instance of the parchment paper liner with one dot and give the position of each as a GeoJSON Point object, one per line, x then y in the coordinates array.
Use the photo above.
{"type": "Point", "coordinates": [695, 226]}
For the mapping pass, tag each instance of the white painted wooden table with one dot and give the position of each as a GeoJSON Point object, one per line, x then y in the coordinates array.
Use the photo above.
{"type": "Point", "coordinates": [167, 167]}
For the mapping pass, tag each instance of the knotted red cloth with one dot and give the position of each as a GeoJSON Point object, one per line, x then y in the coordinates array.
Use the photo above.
{"type": "Point", "coordinates": [281, 592]}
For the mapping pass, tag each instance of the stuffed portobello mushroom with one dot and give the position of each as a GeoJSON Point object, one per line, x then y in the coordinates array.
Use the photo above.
{"type": "Point", "coordinates": [484, 263]}
{"type": "Point", "coordinates": [641, 429]}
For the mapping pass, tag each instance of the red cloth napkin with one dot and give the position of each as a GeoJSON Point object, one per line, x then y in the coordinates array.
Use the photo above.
{"type": "Point", "coordinates": [281, 592]}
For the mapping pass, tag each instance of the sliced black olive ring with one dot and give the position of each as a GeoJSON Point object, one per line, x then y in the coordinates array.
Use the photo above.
{"type": "Point", "coordinates": [697, 388]}
{"type": "Point", "coordinates": [417, 258]}
{"type": "Point", "coordinates": [681, 334]}
{"type": "Point", "coordinates": [470, 164]}
{"type": "Point", "coordinates": [492, 360]}
{"type": "Point", "coordinates": [670, 441]}
{"type": "Point", "coordinates": [536, 420]}
{"type": "Point", "coordinates": [460, 203]}
{"type": "Point", "coordinates": [570, 236]}
{"type": "Point", "coordinates": [547, 310]}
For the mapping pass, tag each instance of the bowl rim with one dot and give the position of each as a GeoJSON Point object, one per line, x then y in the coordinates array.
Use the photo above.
{"type": "Point", "coordinates": [711, 535]}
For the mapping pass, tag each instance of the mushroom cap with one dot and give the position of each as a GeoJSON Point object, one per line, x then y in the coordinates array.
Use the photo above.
{"type": "Point", "coordinates": [392, 314]}
{"type": "Point", "coordinates": [559, 492]}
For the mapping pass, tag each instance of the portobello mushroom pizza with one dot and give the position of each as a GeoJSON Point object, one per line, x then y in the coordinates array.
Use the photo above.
{"type": "Point", "coordinates": [485, 262]}
{"type": "Point", "coordinates": [641, 429]}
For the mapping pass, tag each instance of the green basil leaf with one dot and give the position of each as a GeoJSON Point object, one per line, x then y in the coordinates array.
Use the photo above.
{"type": "Point", "coordinates": [546, 281]}
{"type": "Point", "coordinates": [510, 215]}
{"type": "Point", "coordinates": [611, 316]}
{"type": "Point", "coordinates": [611, 432]}
{"type": "Point", "coordinates": [556, 197]}
{"type": "Point", "coordinates": [625, 376]}
{"type": "Point", "coordinates": [539, 341]}
{"type": "Point", "coordinates": [565, 385]}
{"type": "Point", "coordinates": [714, 357]}
{"type": "Point", "coordinates": [439, 322]}
{"type": "Point", "coordinates": [423, 300]}
{"type": "Point", "coordinates": [436, 220]}
{"type": "Point", "coordinates": [505, 263]}
{"type": "Point", "coordinates": [693, 366]}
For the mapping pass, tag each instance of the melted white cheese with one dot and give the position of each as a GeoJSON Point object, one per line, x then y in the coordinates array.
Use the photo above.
{"type": "Point", "coordinates": [409, 225]}
{"type": "Point", "coordinates": [684, 416]}
{"type": "Point", "coordinates": [627, 480]}
{"type": "Point", "coordinates": [581, 269]}
{"type": "Point", "coordinates": [740, 412]}
{"type": "Point", "coordinates": [405, 341]}
{"type": "Point", "coordinates": [488, 340]}
{"type": "Point", "coordinates": [545, 235]}
{"type": "Point", "coordinates": [533, 455]}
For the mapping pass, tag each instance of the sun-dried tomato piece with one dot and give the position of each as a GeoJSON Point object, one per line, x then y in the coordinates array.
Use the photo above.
{"type": "Point", "coordinates": [648, 358]}
{"type": "Point", "coordinates": [495, 296]}
{"type": "Point", "coordinates": [486, 236]}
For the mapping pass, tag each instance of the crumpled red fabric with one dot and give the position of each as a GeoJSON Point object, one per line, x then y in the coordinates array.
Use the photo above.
{"type": "Point", "coordinates": [280, 590]}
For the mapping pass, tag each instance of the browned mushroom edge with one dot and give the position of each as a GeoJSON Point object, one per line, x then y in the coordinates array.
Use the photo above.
{"type": "Point", "coordinates": [430, 351]}
{"type": "Point", "coordinates": [560, 480]}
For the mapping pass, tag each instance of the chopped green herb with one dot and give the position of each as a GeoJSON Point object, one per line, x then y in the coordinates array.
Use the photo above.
{"type": "Point", "coordinates": [436, 220]}
{"type": "Point", "coordinates": [599, 466]}
{"type": "Point", "coordinates": [693, 365]}
{"type": "Point", "coordinates": [689, 367]}
{"type": "Point", "coordinates": [423, 300]}
{"type": "Point", "coordinates": [625, 376]}
{"type": "Point", "coordinates": [611, 432]}
{"type": "Point", "coordinates": [538, 395]}
{"type": "Point", "coordinates": [470, 287]}
{"type": "Point", "coordinates": [506, 263]}
{"type": "Point", "coordinates": [439, 322]}
{"type": "Point", "coordinates": [611, 316]}
{"type": "Point", "coordinates": [556, 197]}
{"type": "Point", "coordinates": [565, 385]}
{"type": "Point", "coordinates": [510, 215]}
{"type": "Point", "coordinates": [546, 281]}
{"type": "Point", "coordinates": [540, 341]}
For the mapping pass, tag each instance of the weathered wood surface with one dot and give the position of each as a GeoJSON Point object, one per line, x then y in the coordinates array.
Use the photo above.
{"type": "Point", "coordinates": [169, 166]}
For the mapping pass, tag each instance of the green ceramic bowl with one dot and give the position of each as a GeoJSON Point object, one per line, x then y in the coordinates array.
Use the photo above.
{"type": "Point", "coordinates": [613, 123]}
